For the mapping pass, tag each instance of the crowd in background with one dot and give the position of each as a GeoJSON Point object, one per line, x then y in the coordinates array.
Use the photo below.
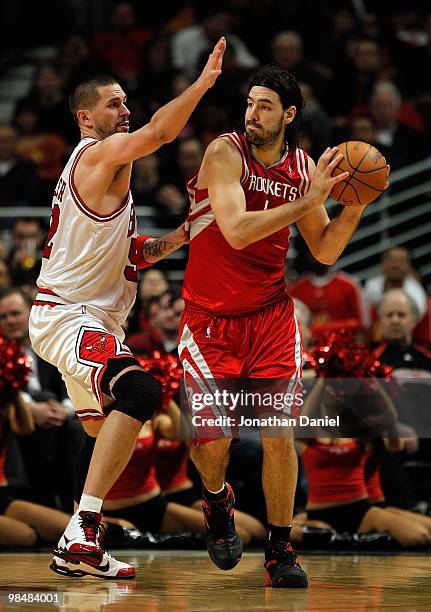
{"type": "Point", "coordinates": [361, 70]}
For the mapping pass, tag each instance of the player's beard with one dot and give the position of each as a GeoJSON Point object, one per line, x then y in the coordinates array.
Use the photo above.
{"type": "Point", "coordinates": [265, 138]}
{"type": "Point", "coordinates": [104, 130]}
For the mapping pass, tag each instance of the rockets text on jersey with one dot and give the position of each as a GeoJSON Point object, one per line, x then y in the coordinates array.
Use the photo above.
{"type": "Point", "coordinates": [221, 279]}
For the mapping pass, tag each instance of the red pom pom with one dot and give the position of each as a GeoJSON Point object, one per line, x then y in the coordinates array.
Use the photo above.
{"type": "Point", "coordinates": [14, 370]}
{"type": "Point", "coordinates": [167, 369]}
{"type": "Point", "coordinates": [339, 355]}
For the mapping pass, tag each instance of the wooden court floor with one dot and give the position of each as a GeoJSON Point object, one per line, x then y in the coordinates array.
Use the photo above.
{"type": "Point", "coordinates": [187, 581]}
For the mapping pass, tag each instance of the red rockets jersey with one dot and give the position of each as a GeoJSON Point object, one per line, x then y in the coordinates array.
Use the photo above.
{"type": "Point", "coordinates": [221, 279]}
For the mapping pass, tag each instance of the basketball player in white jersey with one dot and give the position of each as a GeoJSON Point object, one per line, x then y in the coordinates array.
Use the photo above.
{"type": "Point", "coordinates": [87, 286]}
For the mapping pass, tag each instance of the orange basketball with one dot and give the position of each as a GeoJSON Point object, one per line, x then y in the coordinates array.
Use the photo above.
{"type": "Point", "coordinates": [368, 174]}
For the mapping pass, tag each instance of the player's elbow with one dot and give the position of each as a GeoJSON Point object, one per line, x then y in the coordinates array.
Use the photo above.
{"type": "Point", "coordinates": [235, 240]}
{"type": "Point", "coordinates": [161, 134]}
{"type": "Point", "coordinates": [325, 258]}
{"type": "Point", "coordinates": [233, 231]}
{"type": "Point", "coordinates": [327, 261]}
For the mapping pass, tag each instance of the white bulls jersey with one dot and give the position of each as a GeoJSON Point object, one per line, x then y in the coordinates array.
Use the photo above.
{"type": "Point", "coordinates": [86, 259]}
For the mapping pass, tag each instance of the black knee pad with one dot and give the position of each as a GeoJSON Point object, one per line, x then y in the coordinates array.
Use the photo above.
{"type": "Point", "coordinates": [81, 466]}
{"type": "Point", "coordinates": [137, 394]}
{"type": "Point", "coordinates": [113, 368]}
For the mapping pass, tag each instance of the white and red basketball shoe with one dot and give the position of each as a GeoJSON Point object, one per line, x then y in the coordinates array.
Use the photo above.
{"type": "Point", "coordinates": [81, 542]}
{"type": "Point", "coordinates": [110, 568]}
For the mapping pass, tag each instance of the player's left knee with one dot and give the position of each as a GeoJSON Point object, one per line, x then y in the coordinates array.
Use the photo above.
{"type": "Point", "coordinates": [114, 367]}
{"type": "Point", "coordinates": [137, 394]}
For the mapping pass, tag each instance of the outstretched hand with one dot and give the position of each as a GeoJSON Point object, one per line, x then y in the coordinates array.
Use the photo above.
{"type": "Point", "coordinates": [213, 66]}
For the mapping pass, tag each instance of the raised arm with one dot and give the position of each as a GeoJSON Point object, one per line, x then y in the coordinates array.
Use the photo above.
{"type": "Point", "coordinates": [327, 238]}
{"type": "Point", "coordinates": [222, 172]}
{"type": "Point", "coordinates": [167, 122]}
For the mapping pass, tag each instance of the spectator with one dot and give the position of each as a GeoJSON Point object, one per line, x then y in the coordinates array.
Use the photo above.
{"type": "Point", "coordinates": [362, 127]}
{"type": "Point", "coordinates": [343, 26]}
{"type": "Point", "coordinates": [191, 43]}
{"type": "Point", "coordinates": [18, 177]}
{"type": "Point", "coordinates": [46, 99]}
{"type": "Point", "coordinates": [316, 121]}
{"type": "Point", "coordinates": [411, 363]}
{"type": "Point", "coordinates": [146, 180]}
{"type": "Point", "coordinates": [46, 150]}
{"type": "Point", "coordinates": [77, 61]}
{"type": "Point", "coordinates": [179, 83]}
{"type": "Point", "coordinates": [23, 523]}
{"type": "Point", "coordinates": [398, 315]}
{"type": "Point", "coordinates": [189, 157]}
{"type": "Point", "coordinates": [25, 256]}
{"type": "Point", "coordinates": [212, 119]}
{"type": "Point", "coordinates": [405, 144]}
{"type": "Point", "coordinates": [337, 493]}
{"type": "Point", "coordinates": [50, 452]}
{"type": "Point", "coordinates": [152, 284]}
{"type": "Point", "coordinates": [173, 195]}
{"type": "Point", "coordinates": [4, 275]}
{"type": "Point", "coordinates": [412, 49]}
{"type": "Point", "coordinates": [165, 336]}
{"type": "Point", "coordinates": [288, 52]}
{"type": "Point", "coordinates": [397, 273]}
{"type": "Point", "coordinates": [123, 46]}
{"type": "Point", "coordinates": [358, 77]}
{"type": "Point", "coordinates": [334, 298]}
{"type": "Point", "coordinates": [158, 70]}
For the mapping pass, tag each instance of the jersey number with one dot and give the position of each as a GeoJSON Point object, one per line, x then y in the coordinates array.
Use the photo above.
{"type": "Point", "coordinates": [53, 227]}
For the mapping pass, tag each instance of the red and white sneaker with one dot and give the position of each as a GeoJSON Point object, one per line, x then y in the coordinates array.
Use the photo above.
{"type": "Point", "coordinates": [110, 568]}
{"type": "Point", "coordinates": [80, 542]}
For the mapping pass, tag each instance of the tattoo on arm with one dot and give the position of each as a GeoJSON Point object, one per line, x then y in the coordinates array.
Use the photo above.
{"type": "Point", "coordinates": [157, 248]}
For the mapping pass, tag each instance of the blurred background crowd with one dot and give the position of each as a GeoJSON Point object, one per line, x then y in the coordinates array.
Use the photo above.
{"type": "Point", "coordinates": [362, 66]}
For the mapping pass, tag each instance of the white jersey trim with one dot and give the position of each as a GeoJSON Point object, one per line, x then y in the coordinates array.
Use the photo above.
{"type": "Point", "coordinates": [234, 138]}
{"type": "Point", "coordinates": [303, 172]}
{"type": "Point", "coordinates": [81, 204]}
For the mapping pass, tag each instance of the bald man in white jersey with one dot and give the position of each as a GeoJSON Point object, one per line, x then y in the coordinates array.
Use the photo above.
{"type": "Point", "coordinates": [87, 286]}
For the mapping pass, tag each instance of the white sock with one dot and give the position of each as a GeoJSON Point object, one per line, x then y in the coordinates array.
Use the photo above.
{"type": "Point", "coordinates": [89, 503]}
{"type": "Point", "coordinates": [219, 491]}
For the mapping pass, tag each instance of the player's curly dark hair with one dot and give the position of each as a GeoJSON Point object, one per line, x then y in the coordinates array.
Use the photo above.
{"type": "Point", "coordinates": [286, 86]}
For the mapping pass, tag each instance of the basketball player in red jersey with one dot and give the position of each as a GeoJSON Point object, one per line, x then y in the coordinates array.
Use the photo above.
{"type": "Point", "coordinates": [87, 287]}
{"type": "Point", "coordinates": [239, 321]}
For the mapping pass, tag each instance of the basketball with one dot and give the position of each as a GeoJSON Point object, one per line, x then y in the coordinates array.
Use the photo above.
{"type": "Point", "coordinates": [368, 174]}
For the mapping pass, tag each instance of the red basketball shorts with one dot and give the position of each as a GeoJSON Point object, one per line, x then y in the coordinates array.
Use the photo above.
{"type": "Point", "coordinates": [254, 353]}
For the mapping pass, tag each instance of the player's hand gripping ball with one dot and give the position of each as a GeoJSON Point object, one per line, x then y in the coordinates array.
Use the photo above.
{"type": "Point", "coordinates": [368, 172]}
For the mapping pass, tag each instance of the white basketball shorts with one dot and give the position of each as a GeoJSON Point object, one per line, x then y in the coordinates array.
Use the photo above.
{"type": "Point", "coordinates": [78, 340]}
